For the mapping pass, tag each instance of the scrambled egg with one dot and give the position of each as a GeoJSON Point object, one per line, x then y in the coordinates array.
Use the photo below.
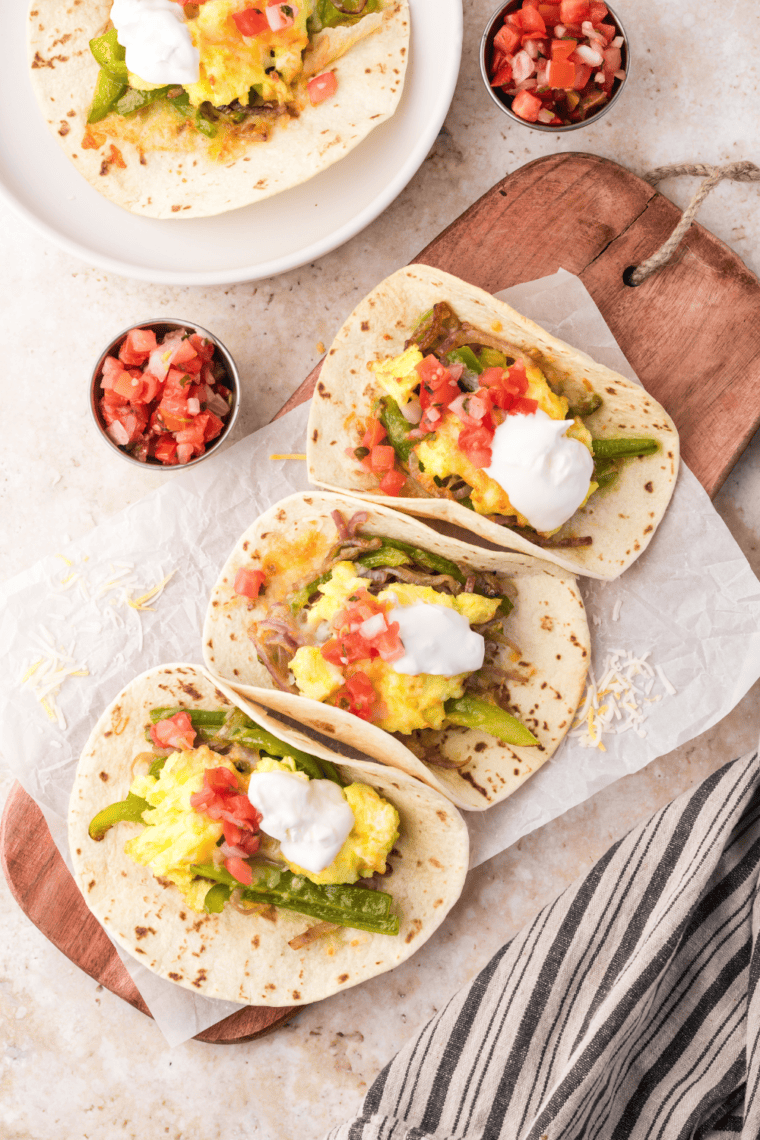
{"type": "Point", "coordinates": [375, 830]}
{"type": "Point", "coordinates": [177, 835]}
{"type": "Point", "coordinates": [440, 455]}
{"type": "Point", "coordinates": [410, 702]}
{"type": "Point", "coordinates": [231, 64]}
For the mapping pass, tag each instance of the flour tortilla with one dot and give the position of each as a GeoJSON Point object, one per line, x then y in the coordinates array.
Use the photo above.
{"type": "Point", "coordinates": [246, 958]}
{"type": "Point", "coordinates": [186, 183]}
{"type": "Point", "coordinates": [621, 521]}
{"type": "Point", "coordinates": [548, 624]}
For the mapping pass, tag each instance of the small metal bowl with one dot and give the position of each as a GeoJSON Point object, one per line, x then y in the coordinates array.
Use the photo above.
{"type": "Point", "coordinates": [503, 102]}
{"type": "Point", "coordinates": [161, 326]}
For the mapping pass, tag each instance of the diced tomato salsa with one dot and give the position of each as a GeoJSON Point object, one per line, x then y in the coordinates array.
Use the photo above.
{"type": "Point", "coordinates": [164, 401]}
{"type": "Point", "coordinates": [221, 799]}
{"type": "Point", "coordinates": [559, 63]}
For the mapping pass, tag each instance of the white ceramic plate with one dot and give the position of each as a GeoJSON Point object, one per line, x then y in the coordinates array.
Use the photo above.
{"type": "Point", "coordinates": [257, 241]}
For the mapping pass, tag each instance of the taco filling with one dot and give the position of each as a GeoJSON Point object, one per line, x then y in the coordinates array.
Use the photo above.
{"type": "Point", "coordinates": [232, 815]}
{"type": "Point", "coordinates": [400, 637]}
{"type": "Point", "coordinates": [465, 416]}
{"type": "Point", "coordinates": [227, 70]}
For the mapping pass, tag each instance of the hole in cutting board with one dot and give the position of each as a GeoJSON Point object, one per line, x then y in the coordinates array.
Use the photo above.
{"type": "Point", "coordinates": [627, 275]}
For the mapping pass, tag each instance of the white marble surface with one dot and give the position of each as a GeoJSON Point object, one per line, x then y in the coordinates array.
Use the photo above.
{"type": "Point", "coordinates": [74, 1060]}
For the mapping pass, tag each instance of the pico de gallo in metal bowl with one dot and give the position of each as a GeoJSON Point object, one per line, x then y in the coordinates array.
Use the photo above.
{"type": "Point", "coordinates": [554, 66]}
{"type": "Point", "coordinates": [165, 393]}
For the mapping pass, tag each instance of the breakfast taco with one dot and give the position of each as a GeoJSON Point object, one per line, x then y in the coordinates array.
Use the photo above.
{"type": "Point", "coordinates": [447, 403]}
{"type": "Point", "coordinates": [459, 666]}
{"type": "Point", "coordinates": [176, 111]}
{"type": "Point", "coordinates": [234, 863]}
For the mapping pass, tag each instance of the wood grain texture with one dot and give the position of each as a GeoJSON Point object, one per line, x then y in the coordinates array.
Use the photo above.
{"type": "Point", "coordinates": [690, 331]}
{"type": "Point", "coordinates": [42, 886]}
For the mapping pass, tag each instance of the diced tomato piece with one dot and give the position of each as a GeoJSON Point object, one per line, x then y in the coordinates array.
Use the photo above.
{"type": "Point", "coordinates": [561, 49]}
{"type": "Point", "coordinates": [597, 12]}
{"type": "Point", "coordinates": [502, 75]}
{"type": "Point", "coordinates": [437, 387]}
{"type": "Point", "coordinates": [184, 452]}
{"type": "Point", "coordinates": [357, 696]}
{"type": "Point", "coordinates": [524, 406]}
{"type": "Point", "coordinates": [213, 426]}
{"type": "Point", "coordinates": [151, 387]}
{"type": "Point", "coordinates": [381, 458]}
{"type": "Point", "coordinates": [609, 31]}
{"type": "Point", "coordinates": [183, 352]}
{"type": "Point", "coordinates": [248, 583]}
{"type": "Point", "coordinates": [389, 644]}
{"type": "Point", "coordinates": [203, 347]}
{"type": "Point", "coordinates": [475, 442]}
{"type": "Point", "coordinates": [232, 833]}
{"type": "Point", "coordinates": [220, 779]}
{"type": "Point", "coordinates": [138, 346]}
{"type": "Point", "coordinates": [239, 870]}
{"type": "Point", "coordinates": [346, 648]}
{"type": "Point", "coordinates": [561, 73]}
{"type": "Point", "coordinates": [392, 482]}
{"type": "Point", "coordinates": [166, 450]}
{"type": "Point", "coordinates": [174, 732]}
{"type": "Point", "coordinates": [526, 106]}
{"type": "Point", "coordinates": [573, 11]}
{"type": "Point", "coordinates": [112, 368]}
{"type": "Point", "coordinates": [321, 87]}
{"type": "Point", "coordinates": [374, 434]}
{"type": "Point", "coordinates": [506, 39]}
{"type": "Point", "coordinates": [549, 14]}
{"type": "Point", "coordinates": [251, 22]}
{"type": "Point", "coordinates": [531, 20]}
{"type": "Point", "coordinates": [582, 76]}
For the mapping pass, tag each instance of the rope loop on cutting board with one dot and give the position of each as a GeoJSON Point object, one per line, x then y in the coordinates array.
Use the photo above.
{"type": "Point", "coordinates": [736, 171]}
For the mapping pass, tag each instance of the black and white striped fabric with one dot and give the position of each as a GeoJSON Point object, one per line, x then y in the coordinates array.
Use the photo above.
{"type": "Point", "coordinates": [627, 1009]}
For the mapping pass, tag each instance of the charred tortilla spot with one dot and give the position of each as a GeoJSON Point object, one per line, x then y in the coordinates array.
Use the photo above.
{"type": "Point", "coordinates": [199, 979]}
{"type": "Point", "coordinates": [442, 816]}
{"type": "Point", "coordinates": [648, 529]}
{"type": "Point", "coordinates": [365, 326]}
{"type": "Point", "coordinates": [296, 995]}
{"type": "Point", "coordinates": [648, 487]}
{"type": "Point", "coordinates": [547, 623]}
{"type": "Point", "coordinates": [270, 986]}
{"type": "Point", "coordinates": [323, 391]}
{"type": "Point", "coordinates": [435, 862]}
{"type": "Point", "coordinates": [315, 435]}
{"type": "Point", "coordinates": [416, 928]}
{"type": "Point", "coordinates": [343, 978]}
{"type": "Point", "coordinates": [175, 977]}
{"type": "Point", "coordinates": [255, 942]}
{"type": "Point", "coordinates": [468, 776]}
{"type": "Point", "coordinates": [104, 777]}
{"type": "Point", "coordinates": [91, 884]}
{"type": "Point", "coordinates": [143, 931]}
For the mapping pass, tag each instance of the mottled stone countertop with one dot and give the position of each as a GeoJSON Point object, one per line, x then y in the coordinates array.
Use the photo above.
{"type": "Point", "coordinates": [75, 1061]}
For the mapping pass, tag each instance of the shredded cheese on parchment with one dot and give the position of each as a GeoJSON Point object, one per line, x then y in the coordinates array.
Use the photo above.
{"type": "Point", "coordinates": [53, 664]}
{"type": "Point", "coordinates": [619, 701]}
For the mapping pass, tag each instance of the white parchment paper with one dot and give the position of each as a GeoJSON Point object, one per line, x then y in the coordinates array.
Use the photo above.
{"type": "Point", "coordinates": [691, 600]}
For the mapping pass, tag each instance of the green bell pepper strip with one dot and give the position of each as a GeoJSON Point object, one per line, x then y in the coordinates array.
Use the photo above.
{"type": "Point", "coordinates": [216, 898]}
{"type": "Point", "coordinates": [328, 16]}
{"type": "Point", "coordinates": [110, 55]}
{"type": "Point", "coordinates": [385, 556]}
{"type": "Point", "coordinates": [107, 93]}
{"type": "Point", "coordinates": [133, 100]}
{"type": "Point", "coordinates": [492, 358]}
{"type": "Point", "coordinates": [343, 904]}
{"type": "Point", "coordinates": [397, 427]}
{"type": "Point", "coordinates": [622, 448]}
{"type": "Point", "coordinates": [473, 713]}
{"type": "Point", "coordinates": [606, 479]}
{"type": "Point", "coordinates": [156, 767]}
{"type": "Point", "coordinates": [307, 592]}
{"type": "Point", "coordinates": [181, 103]}
{"type": "Point", "coordinates": [129, 809]}
{"type": "Point", "coordinates": [467, 357]}
{"type": "Point", "coordinates": [586, 405]}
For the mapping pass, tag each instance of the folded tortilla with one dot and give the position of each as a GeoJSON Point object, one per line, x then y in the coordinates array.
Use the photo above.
{"type": "Point", "coordinates": [548, 625]}
{"type": "Point", "coordinates": [246, 958]}
{"type": "Point", "coordinates": [620, 520]}
{"type": "Point", "coordinates": [181, 180]}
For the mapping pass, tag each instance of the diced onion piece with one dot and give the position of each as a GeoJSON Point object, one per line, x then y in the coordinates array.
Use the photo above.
{"type": "Point", "coordinates": [522, 67]}
{"type": "Point", "coordinates": [412, 412]}
{"type": "Point", "coordinates": [618, 75]}
{"type": "Point", "coordinates": [545, 116]}
{"type": "Point", "coordinates": [589, 56]}
{"type": "Point", "coordinates": [617, 42]}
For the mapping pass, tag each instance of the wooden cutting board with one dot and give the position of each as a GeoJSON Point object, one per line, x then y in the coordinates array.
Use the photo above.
{"type": "Point", "coordinates": [691, 332]}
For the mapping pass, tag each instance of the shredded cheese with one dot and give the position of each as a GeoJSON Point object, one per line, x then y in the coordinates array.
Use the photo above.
{"type": "Point", "coordinates": [618, 701]}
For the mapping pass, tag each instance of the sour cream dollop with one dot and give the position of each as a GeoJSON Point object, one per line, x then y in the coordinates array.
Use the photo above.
{"type": "Point", "coordinates": [545, 474]}
{"type": "Point", "coordinates": [310, 818]}
{"type": "Point", "coordinates": [157, 40]}
{"type": "Point", "coordinates": [437, 640]}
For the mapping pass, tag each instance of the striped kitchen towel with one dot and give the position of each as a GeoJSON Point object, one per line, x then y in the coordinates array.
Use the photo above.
{"type": "Point", "coordinates": [627, 1009]}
